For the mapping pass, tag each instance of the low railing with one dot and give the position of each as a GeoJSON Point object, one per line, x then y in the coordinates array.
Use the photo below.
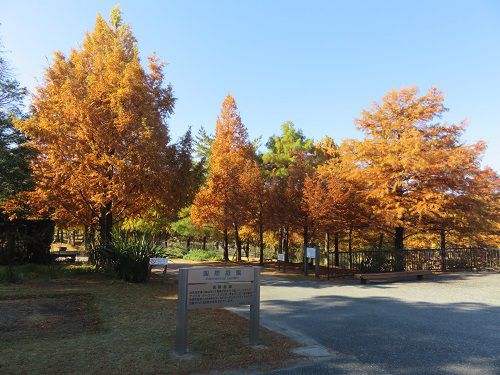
{"type": "Point", "coordinates": [457, 259]}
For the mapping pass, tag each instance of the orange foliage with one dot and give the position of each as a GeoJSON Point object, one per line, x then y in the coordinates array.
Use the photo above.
{"type": "Point", "coordinates": [228, 199]}
{"type": "Point", "coordinates": [98, 125]}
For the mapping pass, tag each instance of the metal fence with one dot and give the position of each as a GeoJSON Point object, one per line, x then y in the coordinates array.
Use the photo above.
{"type": "Point", "coordinates": [457, 259]}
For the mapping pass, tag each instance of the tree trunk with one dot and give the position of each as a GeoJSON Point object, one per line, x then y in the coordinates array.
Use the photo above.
{"type": "Point", "coordinates": [280, 240]}
{"type": "Point", "coordinates": [105, 224]}
{"type": "Point", "coordinates": [350, 247]}
{"type": "Point", "coordinates": [86, 239]}
{"type": "Point", "coordinates": [306, 236]}
{"type": "Point", "coordinates": [381, 240]}
{"type": "Point", "coordinates": [188, 243]}
{"type": "Point", "coordinates": [443, 249]}
{"type": "Point", "coordinates": [261, 243]}
{"type": "Point", "coordinates": [285, 243]}
{"type": "Point", "coordinates": [336, 250]}
{"type": "Point", "coordinates": [399, 247]}
{"type": "Point", "coordinates": [204, 245]}
{"type": "Point", "coordinates": [238, 242]}
{"type": "Point", "coordinates": [306, 239]}
{"type": "Point", "coordinates": [327, 250]}
{"type": "Point", "coordinates": [10, 245]}
{"type": "Point", "coordinates": [226, 245]}
{"type": "Point", "coordinates": [247, 249]}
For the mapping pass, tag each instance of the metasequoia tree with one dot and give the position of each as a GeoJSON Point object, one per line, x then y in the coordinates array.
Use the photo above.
{"type": "Point", "coordinates": [470, 208]}
{"type": "Point", "coordinates": [334, 201]}
{"type": "Point", "coordinates": [409, 160]}
{"type": "Point", "coordinates": [98, 124]}
{"type": "Point", "coordinates": [227, 199]}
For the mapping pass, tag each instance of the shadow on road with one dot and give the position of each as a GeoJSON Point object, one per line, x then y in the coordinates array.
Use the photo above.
{"type": "Point", "coordinates": [275, 280]}
{"type": "Point", "coordinates": [401, 337]}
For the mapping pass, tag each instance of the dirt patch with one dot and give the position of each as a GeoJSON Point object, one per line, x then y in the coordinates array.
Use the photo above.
{"type": "Point", "coordinates": [46, 316]}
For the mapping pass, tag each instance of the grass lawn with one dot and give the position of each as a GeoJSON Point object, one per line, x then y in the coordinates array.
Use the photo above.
{"type": "Point", "coordinates": [71, 320]}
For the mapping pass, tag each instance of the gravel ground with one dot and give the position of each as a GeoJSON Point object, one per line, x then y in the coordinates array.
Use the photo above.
{"type": "Point", "coordinates": [448, 324]}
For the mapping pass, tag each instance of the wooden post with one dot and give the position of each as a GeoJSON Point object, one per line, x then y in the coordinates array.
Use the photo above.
{"type": "Point", "coordinates": [327, 248]}
{"type": "Point", "coordinates": [336, 249]}
{"type": "Point", "coordinates": [181, 317]}
{"type": "Point", "coordinates": [317, 262]}
{"type": "Point", "coordinates": [305, 261]}
{"type": "Point", "coordinates": [255, 309]}
{"type": "Point", "coordinates": [443, 249]}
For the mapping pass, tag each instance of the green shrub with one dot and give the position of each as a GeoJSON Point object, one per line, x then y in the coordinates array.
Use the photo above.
{"type": "Point", "coordinates": [202, 255]}
{"type": "Point", "coordinates": [375, 261]}
{"type": "Point", "coordinates": [128, 255]}
{"type": "Point", "coordinates": [175, 252]}
{"type": "Point", "coordinates": [25, 241]}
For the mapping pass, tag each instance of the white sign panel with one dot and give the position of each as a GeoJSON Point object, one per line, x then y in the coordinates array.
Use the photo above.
{"type": "Point", "coordinates": [219, 295]}
{"type": "Point", "coordinates": [281, 257]}
{"type": "Point", "coordinates": [158, 261]}
{"type": "Point", "coordinates": [220, 275]}
{"type": "Point", "coordinates": [311, 252]}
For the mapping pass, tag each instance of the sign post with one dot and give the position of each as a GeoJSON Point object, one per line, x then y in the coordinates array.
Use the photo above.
{"type": "Point", "coordinates": [206, 287]}
{"type": "Point", "coordinates": [163, 262]}
{"type": "Point", "coordinates": [281, 261]}
{"type": "Point", "coordinates": [181, 317]}
{"type": "Point", "coordinates": [311, 253]}
{"type": "Point", "coordinates": [316, 262]}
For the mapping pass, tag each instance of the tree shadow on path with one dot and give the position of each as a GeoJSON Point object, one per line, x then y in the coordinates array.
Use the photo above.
{"type": "Point", "coordinates": [400, 337]}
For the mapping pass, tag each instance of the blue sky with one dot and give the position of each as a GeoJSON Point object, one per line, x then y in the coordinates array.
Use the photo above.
{"type": "Point", "coordinates": [317, 63]}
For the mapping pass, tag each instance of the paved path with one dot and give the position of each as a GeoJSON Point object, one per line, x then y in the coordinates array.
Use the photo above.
{"type": "Point", "coordinates": [445, 325]}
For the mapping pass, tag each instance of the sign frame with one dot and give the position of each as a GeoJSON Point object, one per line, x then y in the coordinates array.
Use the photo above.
{"type": "Point", "coordinates": [281, 261]}
{"type": "Point", "coordinates": [307, 252]}
{"type": "Point", "coordinates": [158, 262]}
{"type": "Point", "coordinates": [198, 279]}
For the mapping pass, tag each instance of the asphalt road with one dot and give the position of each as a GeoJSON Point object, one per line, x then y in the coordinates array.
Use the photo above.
{"type": "Point", "coordinates": [443, 325]}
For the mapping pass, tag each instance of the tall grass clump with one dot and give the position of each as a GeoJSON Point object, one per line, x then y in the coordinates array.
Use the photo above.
{"type": "Point", "coordinates": [128, 255]}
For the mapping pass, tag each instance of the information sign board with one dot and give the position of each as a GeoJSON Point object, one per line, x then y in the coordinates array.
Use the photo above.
{"type": "Point", "coordinates": [311, 252]}
{"type": "Point", "coordinates": [209, 287]}
{"type": "Point", "coordinates": [219, 295]}
{"type": "Point", "coordinates": [158, 261]}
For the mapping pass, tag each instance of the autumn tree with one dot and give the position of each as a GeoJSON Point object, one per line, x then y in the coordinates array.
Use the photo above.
{"type": "Point", "coordinates": [226, 200]}
{"type": "Point", "coordinates": [98, 124]}
{"type": "Point", "coordinates": [334, 201]}
{"type": "Point", "coordinates": [410, 160]}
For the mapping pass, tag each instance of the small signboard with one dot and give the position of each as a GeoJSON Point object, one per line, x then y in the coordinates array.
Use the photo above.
{"type": "Point", "coordinates": [158, 261]}
{"type": "Point", "coordinates": [212, 287]}
{"type": "Point", "coordinates": [281, 257]}
{"type": "Point", "coordinates": [311, 252]}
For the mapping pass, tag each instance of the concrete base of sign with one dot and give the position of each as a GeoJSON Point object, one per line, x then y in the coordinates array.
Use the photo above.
{"type": "Point", "coordinates": [184, 357]}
